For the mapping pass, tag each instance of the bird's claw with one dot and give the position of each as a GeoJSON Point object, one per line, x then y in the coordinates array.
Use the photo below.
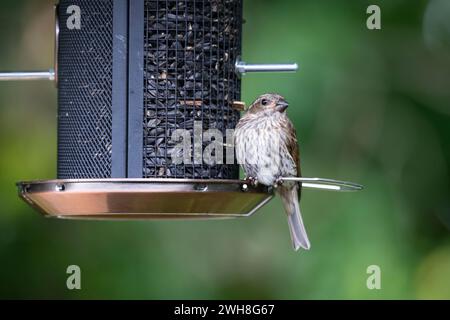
{"type": "Point", "coordinates": [253, 181]}
{"type": "Point", "coordinates": [278, 183]}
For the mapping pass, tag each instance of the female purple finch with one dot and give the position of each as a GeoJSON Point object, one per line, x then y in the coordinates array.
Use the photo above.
{"type": "Point", "coordinates": [266, 147]}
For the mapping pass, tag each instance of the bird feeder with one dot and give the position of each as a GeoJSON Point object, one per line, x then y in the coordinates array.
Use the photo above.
{"type": "Point", "coordinates": [130, 74]}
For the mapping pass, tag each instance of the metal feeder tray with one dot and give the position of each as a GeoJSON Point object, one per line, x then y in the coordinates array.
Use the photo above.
{"type": "Point", "coordinates": [141, 199]}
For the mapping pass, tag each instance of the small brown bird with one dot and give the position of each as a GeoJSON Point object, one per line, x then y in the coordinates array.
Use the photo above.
{"type": "Point", "coordinates": [266, 146]}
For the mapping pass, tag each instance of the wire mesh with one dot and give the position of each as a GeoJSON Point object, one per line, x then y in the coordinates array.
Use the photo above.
{"type": "Point", "coordinates": [85, 92]}
{"type": "Point", "coordinates": [190, 50]}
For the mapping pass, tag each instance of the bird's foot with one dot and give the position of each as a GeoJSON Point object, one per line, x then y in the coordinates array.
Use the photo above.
{"type": "Point", "coordinates": [253, 181]}
{"type": "Point", "coordinates": [278, 183]}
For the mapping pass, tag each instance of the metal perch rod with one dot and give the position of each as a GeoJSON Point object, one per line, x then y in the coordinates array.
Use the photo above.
{"type": "Point", "coordinates": [243, 67]}
{"type": "Point", "coordinates": [28, 75]}
{"type": "Point", "coordinates": [325, 184]}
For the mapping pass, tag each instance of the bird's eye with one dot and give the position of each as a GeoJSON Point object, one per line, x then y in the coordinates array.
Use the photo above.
{"type": "Point", "coordinates": [264, 102]}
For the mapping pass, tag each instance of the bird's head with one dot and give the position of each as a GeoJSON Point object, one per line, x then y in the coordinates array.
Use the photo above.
{"type": "Point", "coordinates": [269, 103]}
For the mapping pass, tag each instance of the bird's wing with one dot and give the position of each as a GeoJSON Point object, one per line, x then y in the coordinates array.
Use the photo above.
{"type": "Point", "coordinates": [293, 149]}
{"type": "Point", "coordinates": [292, 145]}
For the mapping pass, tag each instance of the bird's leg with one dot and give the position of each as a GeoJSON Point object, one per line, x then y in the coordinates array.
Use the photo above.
{"type": "Point", "coordinates": [253, 181]}
{"type": "Point", "coordinates": [278, 183]}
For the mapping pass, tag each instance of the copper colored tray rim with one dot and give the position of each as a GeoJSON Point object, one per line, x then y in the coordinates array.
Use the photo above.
{"type": "Point", "coordinates": [137, 199]}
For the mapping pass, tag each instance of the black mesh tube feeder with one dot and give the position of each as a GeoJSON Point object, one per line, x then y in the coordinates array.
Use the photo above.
{"type": "Point", "coordinates": [129, 75]}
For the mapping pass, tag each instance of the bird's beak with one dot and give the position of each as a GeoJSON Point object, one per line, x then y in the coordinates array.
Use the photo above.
{"type": "Point", "coordinates": [282, 106]}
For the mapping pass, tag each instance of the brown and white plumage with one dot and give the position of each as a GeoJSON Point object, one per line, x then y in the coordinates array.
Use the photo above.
{"type": "Point", "coordinates": [267, 148]}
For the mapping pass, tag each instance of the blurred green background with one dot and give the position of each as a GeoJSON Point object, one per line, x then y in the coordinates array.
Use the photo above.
{"type": "Point", "coordinates": [369, 106]}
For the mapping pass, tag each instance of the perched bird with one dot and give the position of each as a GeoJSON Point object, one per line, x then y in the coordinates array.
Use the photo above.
{"type": "Point", "coordinates": [267, 148]}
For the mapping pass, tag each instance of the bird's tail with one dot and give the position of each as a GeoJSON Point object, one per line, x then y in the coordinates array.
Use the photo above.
{"type": "Point", "coordinates": [297, 229]}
